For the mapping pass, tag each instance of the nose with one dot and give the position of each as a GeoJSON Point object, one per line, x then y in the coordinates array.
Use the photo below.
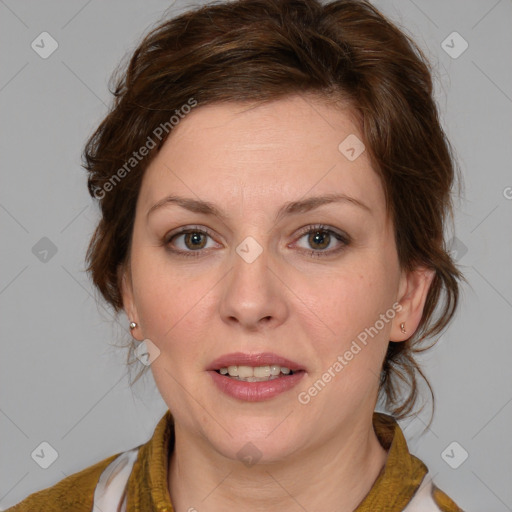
{"type": "Point", "coordinates": [253, 296]}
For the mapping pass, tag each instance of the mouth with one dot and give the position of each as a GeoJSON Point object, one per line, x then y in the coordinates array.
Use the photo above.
{"type": "Point", "coordinates": [255, 377]}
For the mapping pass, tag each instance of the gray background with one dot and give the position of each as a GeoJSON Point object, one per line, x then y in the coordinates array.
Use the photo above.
{"type": "Point", "coordinates": [63, 381]}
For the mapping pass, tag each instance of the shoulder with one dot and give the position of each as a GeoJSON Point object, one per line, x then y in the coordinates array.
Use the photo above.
{"type": "Point", "coordinates": [443, 501]}
{"type": "Point", "coordinates": [75, 492]}
{"type": "Point", "coordinates": [405, 482]}
{"type": "Point", "coordinates": [429, 498]}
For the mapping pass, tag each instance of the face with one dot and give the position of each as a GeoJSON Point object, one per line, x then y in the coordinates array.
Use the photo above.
{"type": "Point", "coordinates": [264, 282]}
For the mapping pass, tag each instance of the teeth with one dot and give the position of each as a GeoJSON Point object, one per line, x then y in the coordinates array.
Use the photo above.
{"type": "Point", "coordinates": [244, 372]}
{"type": "Point", "coordinates": [255, 374]}
{"type": "Point", "coordinates": [260, 371]}
{"type": "Point", "coordinates": [275, 370]}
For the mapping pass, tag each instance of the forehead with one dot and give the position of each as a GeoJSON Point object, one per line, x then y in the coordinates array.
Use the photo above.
{"type": "Point", "coordinates": [271, 153]}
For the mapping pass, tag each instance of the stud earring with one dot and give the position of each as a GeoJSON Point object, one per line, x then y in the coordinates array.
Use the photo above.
{"type": "Point", "coordinates": [402, 327]}
{"type": "Point", "coordinates": [132, 325]}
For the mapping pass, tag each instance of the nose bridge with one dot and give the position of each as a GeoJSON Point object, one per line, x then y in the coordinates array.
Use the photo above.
{"type": "Point", "coordinates": [252, 292]}
{"type": "Point", "coordinates": [250, 272]}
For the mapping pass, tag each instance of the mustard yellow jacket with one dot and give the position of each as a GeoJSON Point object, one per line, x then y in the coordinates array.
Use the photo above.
{"type": "Point", "coordinates": [403, 484]}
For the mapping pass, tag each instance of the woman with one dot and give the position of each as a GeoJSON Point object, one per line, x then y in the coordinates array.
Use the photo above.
{"type": "Point", "coordinates": [274, 183]}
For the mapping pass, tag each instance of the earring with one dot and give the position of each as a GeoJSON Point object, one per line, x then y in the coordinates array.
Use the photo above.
{"type": "Point", "coordinates": [402, 327]}
{"type": "Point", "coordinates": [132, 325]}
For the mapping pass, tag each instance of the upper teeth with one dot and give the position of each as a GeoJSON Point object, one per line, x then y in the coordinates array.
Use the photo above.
{"type": "Point", "coordinates": [254, 371]}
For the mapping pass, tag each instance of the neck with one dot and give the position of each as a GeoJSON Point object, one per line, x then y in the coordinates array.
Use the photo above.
{"type": "Point", "coordinates": [334, 476]}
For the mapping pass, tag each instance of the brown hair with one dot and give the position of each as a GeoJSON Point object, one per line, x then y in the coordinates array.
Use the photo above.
{"type": "Point", "coordinates": [262, 50]}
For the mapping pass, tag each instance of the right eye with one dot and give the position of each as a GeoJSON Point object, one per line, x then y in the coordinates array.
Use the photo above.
{"type": "Point", "coordinates": [193, 241]}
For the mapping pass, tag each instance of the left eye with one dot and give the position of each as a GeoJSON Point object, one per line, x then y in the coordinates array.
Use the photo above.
{"type": "Point", "coordinates": [319, 238]}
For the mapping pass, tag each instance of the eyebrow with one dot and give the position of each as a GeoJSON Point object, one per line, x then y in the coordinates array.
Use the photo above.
{"type": "Point", "coordinates": [290, 208]}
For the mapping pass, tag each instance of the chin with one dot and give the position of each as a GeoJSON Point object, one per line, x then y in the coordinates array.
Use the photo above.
{"type": "Point", "coordinates": [256, 451]}
{"type": "Point", "coordinates": [256, 440]}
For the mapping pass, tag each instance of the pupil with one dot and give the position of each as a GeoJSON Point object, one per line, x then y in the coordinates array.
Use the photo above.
{"type": "Point", "coordinates": [195, 237]}
{"type": "Point", "coordinates": [316, 235]}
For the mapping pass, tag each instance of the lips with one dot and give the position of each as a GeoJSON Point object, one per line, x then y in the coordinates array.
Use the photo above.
{"type": "Point", "coordinates": [255, 389]}
{"type": "Point", "coordinates": [259, 359]}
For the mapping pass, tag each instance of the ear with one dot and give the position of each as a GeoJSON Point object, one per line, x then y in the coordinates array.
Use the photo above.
{"type": "Point", "coordinates": [413, 289]}
{"type": "Point", "coordinates": [125, 285]}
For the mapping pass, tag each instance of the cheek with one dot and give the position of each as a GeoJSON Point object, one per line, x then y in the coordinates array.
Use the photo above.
{"type": "Point", "coordinates": [171, 302]}
{"type": "Point", "coordinates": [156, 296]}
{"type": "Point", "coordinates": [351, 339]}
{"type": "Point", "coordinates": [352, 300]}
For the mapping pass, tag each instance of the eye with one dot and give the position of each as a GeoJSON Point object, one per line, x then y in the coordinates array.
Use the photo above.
{"type": "Point", "coordinates": [320, 238]}
{"type": "Point", "coordinates": [193, 241]}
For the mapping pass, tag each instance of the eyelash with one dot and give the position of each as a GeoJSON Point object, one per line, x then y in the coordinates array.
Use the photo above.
{"type": "Point", "coordinates": [345, 239]}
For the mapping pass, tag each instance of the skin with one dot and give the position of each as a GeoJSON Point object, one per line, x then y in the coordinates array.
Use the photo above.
{"type": "Point", "coordinates": [249, 161]}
